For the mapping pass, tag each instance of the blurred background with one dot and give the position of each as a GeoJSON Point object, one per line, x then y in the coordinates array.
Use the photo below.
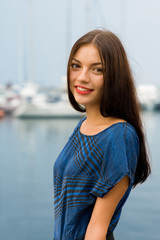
{"type": "Point", "coordinates": [36, 118]}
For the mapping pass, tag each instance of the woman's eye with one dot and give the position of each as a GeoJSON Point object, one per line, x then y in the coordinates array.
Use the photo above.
{"type": "Point", "coordinates": [75, 66]}
{"type": "Point", "coordinates": [98, 70]}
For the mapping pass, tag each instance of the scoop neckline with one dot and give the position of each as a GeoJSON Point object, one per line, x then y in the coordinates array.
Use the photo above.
{"type": "Point", "coordinates": [83, 134]}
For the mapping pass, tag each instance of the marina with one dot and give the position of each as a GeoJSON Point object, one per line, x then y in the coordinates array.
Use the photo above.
{"type": "Point", "coordinates": [33, 101]}
{"type": "Point", "coordinates": [37, 119]}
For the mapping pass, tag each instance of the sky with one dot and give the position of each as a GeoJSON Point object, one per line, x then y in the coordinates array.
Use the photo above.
{"type": "Point", "coordinates": [36, 36]}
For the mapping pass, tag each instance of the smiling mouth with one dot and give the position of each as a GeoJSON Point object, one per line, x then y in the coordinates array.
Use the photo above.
{"type": "Point", "coordinates": [82, 90]}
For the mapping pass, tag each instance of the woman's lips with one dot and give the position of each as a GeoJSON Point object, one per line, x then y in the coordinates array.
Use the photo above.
{"type": "Point", "coordinates": [83, 90]}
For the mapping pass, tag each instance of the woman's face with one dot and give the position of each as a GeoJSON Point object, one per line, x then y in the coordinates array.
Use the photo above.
{"type": "Point", "coordinates": [86, 76]}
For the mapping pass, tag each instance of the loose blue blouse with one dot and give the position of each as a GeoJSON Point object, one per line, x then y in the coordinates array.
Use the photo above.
{"type": "Point", "coordinates": [87, 168]}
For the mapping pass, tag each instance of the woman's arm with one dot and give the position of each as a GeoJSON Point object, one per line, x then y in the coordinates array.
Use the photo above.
{"type": "Point", "coordinates": [104, 209]}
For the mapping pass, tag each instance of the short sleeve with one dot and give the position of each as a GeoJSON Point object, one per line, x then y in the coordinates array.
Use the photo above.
{"type": "Point", "coordinates": [121, 152]}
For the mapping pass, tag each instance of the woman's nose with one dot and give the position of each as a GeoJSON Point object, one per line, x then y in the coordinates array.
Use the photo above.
{"type": "Point", "coordinates": [83, 75]}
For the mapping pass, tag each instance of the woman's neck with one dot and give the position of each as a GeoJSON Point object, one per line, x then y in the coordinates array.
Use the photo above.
{"type": "Point", "coordinates": [94, 117]}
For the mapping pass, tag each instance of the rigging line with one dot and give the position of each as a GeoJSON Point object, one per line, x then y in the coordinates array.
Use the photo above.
{"type": "Point", "coordinates": [98, 6]}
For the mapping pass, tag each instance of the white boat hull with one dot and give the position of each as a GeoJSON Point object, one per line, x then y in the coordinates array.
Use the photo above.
{"type": "Point", "coordinates": [47, 110]}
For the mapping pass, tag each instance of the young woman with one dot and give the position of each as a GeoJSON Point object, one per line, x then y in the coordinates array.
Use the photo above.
{"type": "Point", "coordinates": [105, 157]}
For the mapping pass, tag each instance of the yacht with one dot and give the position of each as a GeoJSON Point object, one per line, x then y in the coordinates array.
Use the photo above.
{"type": "Point", "coordinates": [43, 109]}
{"type": "Point", "coordinates": [53, 104]}
{"type": "Point", "coordinates": [149, 97]}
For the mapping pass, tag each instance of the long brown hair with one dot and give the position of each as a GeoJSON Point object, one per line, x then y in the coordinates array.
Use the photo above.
{"type": "Point", "coordinates": [119, 97]}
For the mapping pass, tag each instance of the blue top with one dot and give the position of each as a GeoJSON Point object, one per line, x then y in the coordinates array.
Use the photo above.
{"type": "Point", "coordinates": [87, 168]}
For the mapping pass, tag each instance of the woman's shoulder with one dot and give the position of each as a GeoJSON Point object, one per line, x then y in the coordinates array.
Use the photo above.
{"type": "Point", "coordinates": [118, 139]}
{"type": "Point", "coordinates": [119, 131]}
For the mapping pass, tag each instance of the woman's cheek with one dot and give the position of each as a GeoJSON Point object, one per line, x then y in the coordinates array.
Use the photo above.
{"type": "Point", "coordinates": [73, 76]}
{"type": "Point", "coordinates": [71, 83]}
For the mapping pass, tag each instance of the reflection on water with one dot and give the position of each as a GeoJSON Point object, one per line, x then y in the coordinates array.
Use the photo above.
{"type": "Point", "coordinates": [28, 150]}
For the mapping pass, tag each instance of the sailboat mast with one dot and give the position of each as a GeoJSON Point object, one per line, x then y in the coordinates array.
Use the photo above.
{"type": "Point", "coordinates": [31, 41]}
{"type": "Point", "coordinates": [88, 15]}
{"type": "Point", "coordinates": [68, 27]}
{"type": "Point", "coordinates": [20, 54]}
{"type": "Point", "coordinates": [123, 18]}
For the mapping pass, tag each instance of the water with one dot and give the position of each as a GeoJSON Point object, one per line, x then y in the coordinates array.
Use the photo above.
{"type": "Point", "coordinates": [28, 150]}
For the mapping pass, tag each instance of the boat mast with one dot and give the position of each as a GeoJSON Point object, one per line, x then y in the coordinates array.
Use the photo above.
{"type": "Point", "coordinates": [68, 27]}
{"type": "Point", "coordinates": [123, 18]}
{"type": "Point", "coordinates": [31, 42]}
{"type": "Point", "coordinates": [20, 54]}
{"type": "Point", "coordinates": [88, 15]}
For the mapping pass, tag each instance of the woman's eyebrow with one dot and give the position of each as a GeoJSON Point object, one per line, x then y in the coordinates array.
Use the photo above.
{"type": "Point", "coordinates": [76, 60]}
{"type": "Point", "coordinates": [93, 64]}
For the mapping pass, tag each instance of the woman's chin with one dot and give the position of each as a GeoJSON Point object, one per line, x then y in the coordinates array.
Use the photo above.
{"type": "Point", "coordinates": [80, 101]}
{"type": "Point", "coordinates": [82, 104]}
